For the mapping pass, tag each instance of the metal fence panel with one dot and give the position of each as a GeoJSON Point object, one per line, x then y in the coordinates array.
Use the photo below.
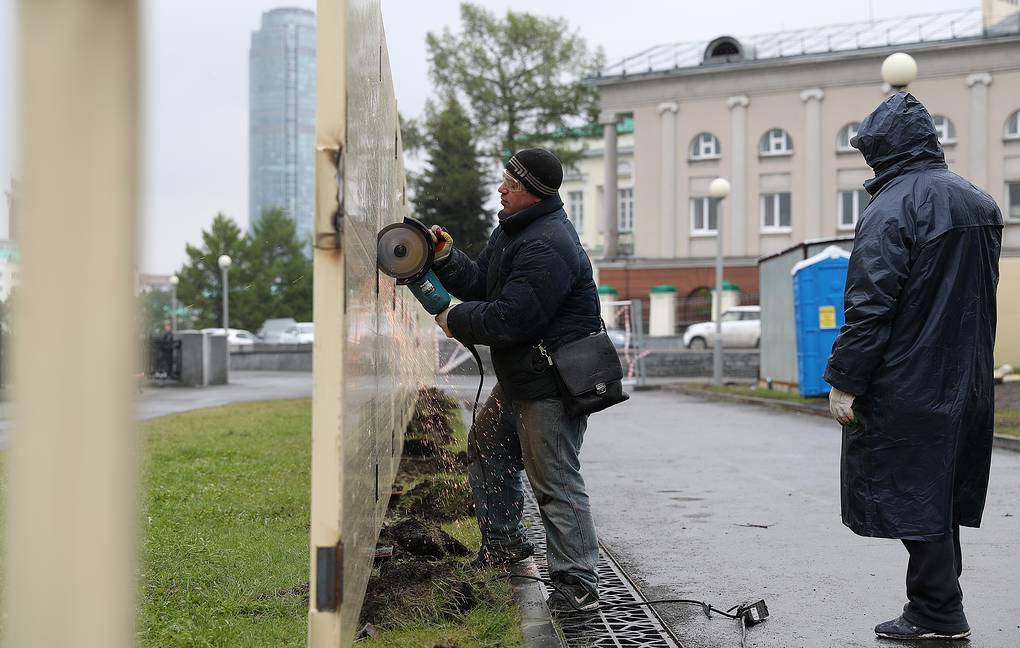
{"type": "Point", "coordinates": [375, 349]}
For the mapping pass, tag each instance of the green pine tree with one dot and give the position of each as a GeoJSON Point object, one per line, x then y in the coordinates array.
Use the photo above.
{"type": "Point", "coordinates": [201, 286]}
{"type": "Point", "coordinates": [282, 273]}
{"type": "Point", "coordinates": [450, 190]}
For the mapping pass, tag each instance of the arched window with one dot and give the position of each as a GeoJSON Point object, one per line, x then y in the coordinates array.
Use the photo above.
{"type": "Point", "coordinates": [1013, 126]}
{"type": "Point", "coordinates": [776, 141]}
{"type": "Point", "coordinates": [705, 146]}
{"type": "Point", "coordinates": [945, 129]}
{"type": "Point", "coordinates": [846, 134]}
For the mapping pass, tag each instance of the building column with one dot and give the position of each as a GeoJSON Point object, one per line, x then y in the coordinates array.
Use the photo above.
{"type": "Point", "coordinates": [977, 164]}
{"type": "Point", "coordinates": [738, 222]}
{"type": "Point", "coordinates": [812, 99]}
{"type": "Point", "coordinates": [667, 180]}
{"type": "Point", "coordinates": [610, 162]}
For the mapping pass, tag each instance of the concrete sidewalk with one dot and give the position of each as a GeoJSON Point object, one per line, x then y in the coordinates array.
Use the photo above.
{"type": "Point", "coordinates": [244, 386]}
{"type": "Point", "coordinates": [724, 502]}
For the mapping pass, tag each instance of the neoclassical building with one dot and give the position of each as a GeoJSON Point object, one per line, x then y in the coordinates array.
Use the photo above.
{"type": "Point", "coordinates": [774, 115]}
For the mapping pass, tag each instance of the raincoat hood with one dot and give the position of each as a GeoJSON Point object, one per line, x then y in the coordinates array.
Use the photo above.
{"type": "Point", "coordinates": [899, 136]}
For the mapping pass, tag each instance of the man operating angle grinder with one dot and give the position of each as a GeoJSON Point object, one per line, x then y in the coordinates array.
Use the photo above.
{"type": "Point", "coordinates": [530, 296]}
{"type": "Point", "coordinates": [529, 293]}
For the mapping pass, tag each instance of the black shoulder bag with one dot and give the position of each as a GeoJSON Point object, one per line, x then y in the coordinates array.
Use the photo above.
{"type": "Point", "coordinates": [588, 373]}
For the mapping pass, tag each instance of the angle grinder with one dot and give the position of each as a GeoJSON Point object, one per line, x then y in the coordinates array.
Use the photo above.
{"type": "Point", "coordinates": [405, 252]}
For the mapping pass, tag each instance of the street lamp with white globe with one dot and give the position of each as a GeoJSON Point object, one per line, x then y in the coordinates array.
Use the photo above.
{"type": "Point", "coordinates": [899, 70]}
{"type": "Point", "coordinates": [718, 190]}
{"type": "Point", "coordinates": [173, 301]}
{"type": "Point", "coordinates": [224, 262]}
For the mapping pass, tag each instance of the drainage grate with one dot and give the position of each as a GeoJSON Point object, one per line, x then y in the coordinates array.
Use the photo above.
{"type": "Point", "coordinates": [630, 627]}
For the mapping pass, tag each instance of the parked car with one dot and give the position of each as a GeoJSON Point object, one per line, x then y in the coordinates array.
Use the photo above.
{"type": "Point", "coordinates": [281, 330]}
{"type": "Point", "coordinates": [620, 339]}
{"type": "Point", "coordinates": [236, 337]}
{"type": "Point", "coordinates": [305, 332]}
{"type": "Point", "coordinates": [741, 327]}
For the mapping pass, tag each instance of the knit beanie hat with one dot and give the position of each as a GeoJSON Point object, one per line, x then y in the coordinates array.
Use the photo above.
{"type": "Point", "coordinates": [538, 170]}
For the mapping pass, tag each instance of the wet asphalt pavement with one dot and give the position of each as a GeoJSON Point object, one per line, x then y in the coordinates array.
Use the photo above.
{"type": "Point", "coordinates": [244, 386]}
{"type": "Point", "coordinates": [723, 503]}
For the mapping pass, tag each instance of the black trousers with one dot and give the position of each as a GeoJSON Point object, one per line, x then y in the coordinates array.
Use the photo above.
{"type": "Point", "coordinates": [935, 600]}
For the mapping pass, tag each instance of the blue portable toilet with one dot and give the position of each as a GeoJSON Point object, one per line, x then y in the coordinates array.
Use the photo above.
{"type": "Point", "coordinates": [818, 284]}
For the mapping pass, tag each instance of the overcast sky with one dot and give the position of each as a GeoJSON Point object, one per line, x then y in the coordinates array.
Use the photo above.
{"type": "Point", "coordinates": [196, 82]}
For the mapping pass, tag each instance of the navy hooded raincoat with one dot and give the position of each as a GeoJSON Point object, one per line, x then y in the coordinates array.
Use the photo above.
{"type": "Point", "coordinates": [917, 345]}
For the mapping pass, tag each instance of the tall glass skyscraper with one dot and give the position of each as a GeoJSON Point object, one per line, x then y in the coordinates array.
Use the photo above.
{"type": "Point", "coordinates": [281, 117]}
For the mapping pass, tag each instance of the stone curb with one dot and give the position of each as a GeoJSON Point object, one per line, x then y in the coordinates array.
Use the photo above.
{"type": "Point", "coordinates": [536, 622]}
{"type": "Point", "coordinates": [1000, 441]}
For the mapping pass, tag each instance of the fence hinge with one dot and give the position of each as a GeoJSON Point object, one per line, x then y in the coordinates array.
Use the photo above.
{"type": "Point", "coordinates": [330, 237]}
{"type": "Point", "coordinates": [329, 577]}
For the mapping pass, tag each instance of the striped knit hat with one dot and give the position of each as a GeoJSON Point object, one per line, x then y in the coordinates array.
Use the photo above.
{"type": "Point", "coordinates": [538, 170]}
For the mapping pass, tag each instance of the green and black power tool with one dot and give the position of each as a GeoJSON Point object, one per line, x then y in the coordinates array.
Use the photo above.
{"type": "Point", "coordinates": [405, 252]}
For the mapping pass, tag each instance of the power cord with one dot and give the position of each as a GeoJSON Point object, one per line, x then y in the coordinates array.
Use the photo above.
{"type": "Point", "coordinates": [748, 613]}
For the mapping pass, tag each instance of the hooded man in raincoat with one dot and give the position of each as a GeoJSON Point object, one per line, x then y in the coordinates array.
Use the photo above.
{"type": "Point", "coordinates": [911, 369]}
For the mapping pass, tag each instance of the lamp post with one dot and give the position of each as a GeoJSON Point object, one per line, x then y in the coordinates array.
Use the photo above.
{"type": "Point", "coordinates": [173, 301]}
{"type": "Point", "coordinates": [225, 262]}
{"type": "Point", "coordinates": [719, 189]}
{"type": "Point", "coordinates": [899, 70]}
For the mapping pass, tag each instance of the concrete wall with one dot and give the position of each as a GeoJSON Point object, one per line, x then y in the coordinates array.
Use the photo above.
{"type": "Point", "coordinates": [658, 364]}
{"type": "Point", "coordinates": [272, 357]}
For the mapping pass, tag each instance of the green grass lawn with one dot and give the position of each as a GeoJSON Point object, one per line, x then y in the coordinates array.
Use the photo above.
{"type": "Point", "coordinates": [225, 552]}
{"type": "Point", "coordinates": [761, 393]}
{"type": "Point", "coordinates": [225, 517]}
{"type": "Point", "coordinates": [1008, 422]}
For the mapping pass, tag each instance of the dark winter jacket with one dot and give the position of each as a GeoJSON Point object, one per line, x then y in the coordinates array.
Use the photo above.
{"type": "Point", "coordinates": [917, 345]}
{"type": "Point", "coordinates": [532, 282]}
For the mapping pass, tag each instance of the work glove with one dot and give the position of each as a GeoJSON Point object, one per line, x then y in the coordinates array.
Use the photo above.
{"type": "Point", "coordinates": [442, 243]}
{"type": "Point", "coordinates": [841, 407]}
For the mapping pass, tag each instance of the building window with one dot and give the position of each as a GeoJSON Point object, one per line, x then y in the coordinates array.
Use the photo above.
{"type": "Point", "coordinates": [851, 205]}
{"type": "Point", "coordinates": [1013, 201]}
{"type": "Point", "coordinates": [576, 213]}
{"type": "Point", "coordinates": [945, 129]}
{"type": "Point", "coordinates": [776, 141]}
{"type": "Point", "coordinates": [846, 134]}
{"type": "Point", "coordinates": [1013, 126]}
{"type": "Point", "coordinates": [626, 210]}
{"type": "Point", "coordinates": [775, 212]}
{"type": "Point", "coordinates": [704, 216]}
{"type": "Point", "coordinates": [705, 146]}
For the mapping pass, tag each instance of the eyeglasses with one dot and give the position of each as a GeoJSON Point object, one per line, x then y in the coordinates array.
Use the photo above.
{"type": "Point", "coordinates": [512, 184]}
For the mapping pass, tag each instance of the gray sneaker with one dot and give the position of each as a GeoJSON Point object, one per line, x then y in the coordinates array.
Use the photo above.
{"type": "Point", "coordinates": [900, 628]}
{"type": "Point", "coordinates": [572, 595]}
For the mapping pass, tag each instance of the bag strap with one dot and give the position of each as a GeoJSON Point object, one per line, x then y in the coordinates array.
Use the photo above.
{"type": "Point", "coordinates": [545, 353]}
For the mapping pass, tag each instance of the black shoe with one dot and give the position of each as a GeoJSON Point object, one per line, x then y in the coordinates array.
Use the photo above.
{"type": "Point", "coordinates": [488, 557]}
{"type": "Point", "coordinates": [900, 628]}
{"type": "Point", "coordinates": [572, 595]}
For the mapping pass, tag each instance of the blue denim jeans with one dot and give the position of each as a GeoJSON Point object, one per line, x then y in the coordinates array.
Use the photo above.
{"type": "Point", "coordinates": [538, 437]}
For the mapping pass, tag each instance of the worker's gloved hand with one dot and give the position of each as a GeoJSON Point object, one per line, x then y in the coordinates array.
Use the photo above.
{"type": "Point", "coordinates": [442, 243]}
{"type": "Point", "coordinates": [841, 406]}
